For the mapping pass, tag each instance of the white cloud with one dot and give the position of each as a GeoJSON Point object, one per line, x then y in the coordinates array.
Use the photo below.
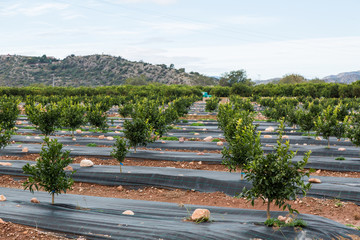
{"type": "Point", "coordinates": [32, 11]}
{"type": "Point", "coordinates": [249, 20]}
{"type": "Point", "coordinates": [159, 2]}
{"type": "Point", "coordinates": [178, 27]}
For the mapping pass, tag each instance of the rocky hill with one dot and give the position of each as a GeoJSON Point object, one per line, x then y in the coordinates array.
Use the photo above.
{"type": "Point", "coordinates": [346, 77]}
{"type": "Point", "coordinates": [92, 70]}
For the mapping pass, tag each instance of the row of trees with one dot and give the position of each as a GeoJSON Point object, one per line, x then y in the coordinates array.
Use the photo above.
{"type": "Point", "coordinates": [327, 117]}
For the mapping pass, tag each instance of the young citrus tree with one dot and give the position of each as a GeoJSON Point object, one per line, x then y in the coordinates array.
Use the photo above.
{"type": "Point", "coordinates": [275, 178]}
{"type": "Point", "coordinates": [45, 117]}
{"type": "Point", "coordinates": [119, 151]}
{"type": "Point", "coordinates": [96, 116]}
{"type": "Point", "coordinates": [48, 172]}
{"type": "Point", "coordinates": [327, 123]}
{"type": "Point", "coordinates": [138, 132]}
{"type": "Point", "coordinates": [244, 146]}
{"type": "Point", "coordinates": [9, 112]}
{"type": "Point", "coordinates": [72, 114]}
{"type": "Point", "coordinates": [212, 104]}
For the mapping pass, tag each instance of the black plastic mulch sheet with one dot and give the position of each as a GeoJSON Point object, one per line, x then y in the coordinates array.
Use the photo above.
{"type": "Point", "coordinates": [102, 218]}
{"type": "Point", "coordinates": [347, 189]}
{"type": "Point", "coordinates": [318, 162]}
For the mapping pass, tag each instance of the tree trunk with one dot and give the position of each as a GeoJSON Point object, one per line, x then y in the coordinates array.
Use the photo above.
{"type": "Point", "coordinates": [135, 149]}
{"type": "Point", "coordinates": [52, 197]}
{"type": "Point", "coordinates": [268, 210]}
{"type": "Point", "coordinates": [328, 142]}
{"type": "Point", "coordinates": [120, 168]}
{"type": "Point", "coordinates": [242, 177]}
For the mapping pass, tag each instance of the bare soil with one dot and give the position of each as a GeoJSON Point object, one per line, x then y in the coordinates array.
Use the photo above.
{"type": "Point", "coordinates": [199, 165]}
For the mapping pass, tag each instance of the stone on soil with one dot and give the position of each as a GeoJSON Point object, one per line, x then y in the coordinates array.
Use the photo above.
{"type": "Point", "coordinates": [208, 139]}
{"type": "Point", "coordinates": [269, 129]}
{"type": "Point", "coordinates": [5, 164]}
{"type": "Point", "coordinates": [101, 137]}
{"type": "Point", "coordinates": [341, 149]}
{"type": "Point", "coordinates": [128, 212]}
{"type": "Point", "coordinates": [25, 149]}
{"type": "Point", "coordinates": [110, 138]}
{"type": "Point", "coordinates": [78, 131]}
{"type": "Point", "coordinates": [181, 139]}
{"type": "Point", "coordinates": [2, 221]}
{"type": "Point", "coordinates": [200, 215]}
{"type": "Point", "coordinates": [68, 168]}
{"type": "Point", "coordinates": [2, 198]}
{"type": "Point", "coordinates": [267, 136]}
{"type": "Point", "coordinates": [314, 180]}
{"type": "Point", "coordinates": [34, 200]}
{"type": "Point", "coordinates": [86, 163]}
{"type": "Point", "coordinates": [220, 143]}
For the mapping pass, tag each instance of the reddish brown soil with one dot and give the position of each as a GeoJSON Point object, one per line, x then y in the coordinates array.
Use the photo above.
{"type": "Point", "coordinates": [185, 165]}
{"type": "Point", "coordinates": [10, 231]}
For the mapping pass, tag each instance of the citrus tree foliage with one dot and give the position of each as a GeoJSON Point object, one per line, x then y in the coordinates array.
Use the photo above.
{"type": "Point", "coordinates": [275, 178]}
{"type": "Point", "coordinates": [9, 111]}
{"type": "Point", "coordinates": [353, 130]}
{"type": "Point", "coordinates": [241, 103]}
{"type": "Point", "coordinates": [96, 116]}
{"type": "Point", "coordinates": [126, 109]}
{"type": "Point", "coordinates": [228, 120]}
{"type": "Point", "coordinates": [327, 124]}
{"type": "Point", "coordinates": [212, 104]}
{"type": "Point", "coordinates": [138, 132]}
{"type": "Point", "coordinates": [243, 147]}
{"type": "Point", "coordinates": [48, 173]}
{"type": "Point", "coordinates": [45, 117]}
{"type": "Point", "coordinates": [119, 150]}
{"type": "Point", "coordinates": [5, 136]}
{"type": "Point", "coordinates": [72, 114]}
{"type": "Point", "coordinates": [306, 118]}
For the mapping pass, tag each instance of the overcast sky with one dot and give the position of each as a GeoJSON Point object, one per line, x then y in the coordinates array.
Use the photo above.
{"type": "Point", "coordinates": [268, 39]}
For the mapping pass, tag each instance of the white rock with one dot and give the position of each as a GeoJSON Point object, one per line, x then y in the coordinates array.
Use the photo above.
{"type": "Point", "coordinates": [110, 138]}
{"type": "Point", "coordinates": [163, 142]}
{"type": "Point", "coordinates": [74, 139]}
{"type": "Point", "coordinates": [281, 218]}
{"type": "Point", "coordinates": [181, 139]}
{"type": "Point", "coordinates": [27, 137]}
{"type": "Point", "coordinates": [267, 136]}
{"type": "Point", "coordinates": [200, 215]}
{"type": "Point", "coordinates": [200, 153]}
{"type": "Point", "coordinates": [25, 149]}
{"type": "Point", "coordinates": [289, 220]}
{"type": "Point", "coordinates": [128, 212]}
{"type": "Point", "coordinates": [2, 221]}
{"type": "Point", "coordinates": [285, 137]}
{"type": "Point", "coordinates": [269, 129]}
{"type": "Point", "coordinates": [78, 131]}
{"type": "Point", "coordinates": [341, 149]}
{"type": "Point", "coordinates": [101, 137]}
{"type": "Point", "coordinates": [2, 198]}
{"type": "Point", "coordinates": [86, 163]}
{"type": "Point", "coordinates": [68, 168]}
{"type": "Point", "coordinates": [208, 139]}
{"type": "Point", "coordinates": [220, 143]}
{"type": "Point", "coordinates": [37, 137]}
{"type": "Point", "coordinates": [20, 146]}
{"type": "Point", "coordinates": [120, 188]}
{"type": "Point", "coordinates": [318, 138]}
{"type": "Point", "coordinates": [5, 164]}
{"type": "Point", "coordinates": [314, 180]}
{"type": "Point", "coordinates": [196, 133]}
{"type": "Point", "coordinates": [34, 200]}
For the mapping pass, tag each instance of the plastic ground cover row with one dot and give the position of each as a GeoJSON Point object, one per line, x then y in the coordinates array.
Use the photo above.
{"type": "Point", "coordinates": [347, 189]}
{"type": "Point", "coordinates": [102, 218]}
{"type": "Point", "coordinates": [326, 163]}
{"type": "Point", "coordinates": [193, 145]}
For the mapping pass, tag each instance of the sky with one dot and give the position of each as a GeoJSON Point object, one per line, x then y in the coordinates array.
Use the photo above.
{"type": "Point", "coordinates": [268, 39]}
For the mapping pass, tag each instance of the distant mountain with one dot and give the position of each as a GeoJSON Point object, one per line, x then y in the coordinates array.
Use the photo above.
{"type": "Point", "coordinates": [92, 70]}
{"type": "Point", "coordinates": [271, 80]}
{"type": "Point", "coordinates": [346, 77]}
